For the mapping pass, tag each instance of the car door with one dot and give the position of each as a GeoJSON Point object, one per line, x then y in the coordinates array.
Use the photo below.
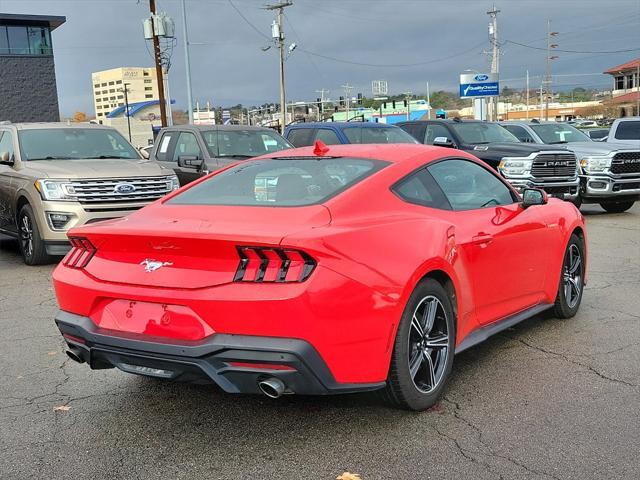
{"type": "Point", "coordinates": [186, 147]}
{"type": "Point", "coordinates": [416, 130]}
{"type": "Point", "coordinates": [301, 137]}
{"type": "Point", "coordinates": [6, 173]}
{"type": "Point", "coordinates": [163, 151]}
{"type": "Point", "coordinates": [502, 244]}
{"type": "Point", "coordinates": [436, 130]}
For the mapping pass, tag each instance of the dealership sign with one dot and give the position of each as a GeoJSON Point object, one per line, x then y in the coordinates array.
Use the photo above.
{"type": "Point", "coordinates": [479, 85]}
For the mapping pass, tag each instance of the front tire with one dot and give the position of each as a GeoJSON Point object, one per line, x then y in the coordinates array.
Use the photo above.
{"type": "Point", "coordinates": [571, 279]}
{"type": "Point", "coordinates": [423, 349]}
{"type": "Point", "coordinates": [32, 246]}
{"type": "Point", "coordinates": [616, 207]}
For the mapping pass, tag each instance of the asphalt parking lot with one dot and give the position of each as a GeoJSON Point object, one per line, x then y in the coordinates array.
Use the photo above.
{"type": "Point", "coordinates": [547, 399]}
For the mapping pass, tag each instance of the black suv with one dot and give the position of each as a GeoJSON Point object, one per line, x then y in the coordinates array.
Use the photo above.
{"type": "Point", "coordinates": [524, 165]}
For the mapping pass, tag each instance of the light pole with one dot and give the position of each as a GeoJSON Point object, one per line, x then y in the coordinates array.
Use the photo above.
{"type": "Point", "coordinates": [187, 62]}
{"type": "Point", "coordinates": [125, 89]}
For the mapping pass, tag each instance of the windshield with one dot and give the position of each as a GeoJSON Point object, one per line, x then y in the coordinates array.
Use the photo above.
{"type": "Point", "coordinates": [378, 135]}
{"type": "Point", "coordinates": [74, 144]}
{"type": "Point", "coordinates": [478, 133]}
{"type": "Point", "coordinates": [279, 182]}
{"type": "Point", "coordinates": [559, 133]}
{"type": "Point", "coordinates": [243, 143]}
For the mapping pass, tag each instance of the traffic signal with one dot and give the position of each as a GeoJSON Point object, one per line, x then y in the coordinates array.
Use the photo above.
{"type": "Point", "coordinates": [393, 104]}
{"type": "Point", "coordinates": [342, 101]}
{"type": "Point", "coordinates": [359, 96]}
{"type": "Point", "coordinates": [319, 103]}
{"type": "Point", "coordinates": [405, 103]}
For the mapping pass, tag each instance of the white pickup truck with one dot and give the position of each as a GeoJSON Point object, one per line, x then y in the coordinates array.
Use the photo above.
{"type": "Point", "coordinates": [625, 130]}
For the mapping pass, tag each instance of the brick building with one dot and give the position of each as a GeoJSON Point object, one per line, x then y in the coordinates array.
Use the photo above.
{"type": "Point", "coordinates": [28, 90]}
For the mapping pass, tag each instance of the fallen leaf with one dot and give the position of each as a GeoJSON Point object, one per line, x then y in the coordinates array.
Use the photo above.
{"type": "Point", "coordinates": [62, 408]}
{"type": "Point", "coordinates": [348, 476]}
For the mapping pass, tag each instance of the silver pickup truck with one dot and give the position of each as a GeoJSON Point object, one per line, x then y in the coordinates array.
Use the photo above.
{"type": "Point", "coordinates": [609, 171]}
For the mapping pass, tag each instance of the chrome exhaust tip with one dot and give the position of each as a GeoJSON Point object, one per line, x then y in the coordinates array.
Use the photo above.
{"type": "Point", "coordinates": [271, 387]}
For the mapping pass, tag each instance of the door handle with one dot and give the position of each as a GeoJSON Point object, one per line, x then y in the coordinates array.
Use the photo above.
{"type": "Point", "coordinates": [482, 239]}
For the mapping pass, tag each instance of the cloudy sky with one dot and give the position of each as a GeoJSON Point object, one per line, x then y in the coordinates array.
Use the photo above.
{"type": "Point", "coordinates": [406, 42]}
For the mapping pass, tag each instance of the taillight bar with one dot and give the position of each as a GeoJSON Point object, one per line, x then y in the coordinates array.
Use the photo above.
{"type": "Point", "coordinates": [276, 265]}
{"type": "Point", "coordinates": [82, 251]}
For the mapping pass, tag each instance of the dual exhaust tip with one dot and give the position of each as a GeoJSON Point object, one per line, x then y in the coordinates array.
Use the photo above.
{"type": "Point", "coordinates": [271, 387]}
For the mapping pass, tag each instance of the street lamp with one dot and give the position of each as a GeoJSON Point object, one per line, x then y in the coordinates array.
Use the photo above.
{"type": "Point", "coordinates": [126, 107]}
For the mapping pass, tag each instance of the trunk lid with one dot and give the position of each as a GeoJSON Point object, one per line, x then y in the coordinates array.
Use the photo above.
{"type": "Point", "coordinates": [189, 247]}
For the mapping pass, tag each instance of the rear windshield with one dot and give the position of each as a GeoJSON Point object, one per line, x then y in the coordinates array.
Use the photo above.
{"type": "Point", "coordinates": [74, 143]}
{"type": "Point", "coordinates": [628, 130]}
{"type": "Point", "coordinates": [378, 135]}
{"type": "Point", "coordinates": [280, 182]}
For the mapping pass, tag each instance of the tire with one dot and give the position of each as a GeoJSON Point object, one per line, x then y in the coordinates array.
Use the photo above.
{"type": "Point", "coordinates": [577, 202]}
{"type": "Point", "coordinates": [571, 285]}
{"type": "Point", "coordinates": [617, 207]}
{"type": "Point", "coordinates": [32, 246]}
{"type": "Point", "coordinates": [419, 388]}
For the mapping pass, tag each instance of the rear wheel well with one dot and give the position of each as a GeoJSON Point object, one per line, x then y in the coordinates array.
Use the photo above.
{"type": "Point", "coordinates": [443, 279]}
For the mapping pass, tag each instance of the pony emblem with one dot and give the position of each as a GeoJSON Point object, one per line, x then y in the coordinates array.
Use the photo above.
{"type": "Point", "coordinates": [153, 265]}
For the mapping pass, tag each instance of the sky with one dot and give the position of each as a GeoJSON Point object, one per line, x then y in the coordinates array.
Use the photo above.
{"type": "Point", "coordinates": [405, 42]}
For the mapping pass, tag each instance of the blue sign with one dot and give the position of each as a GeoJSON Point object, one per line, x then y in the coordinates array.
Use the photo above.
{"type": "Point", "coordinates": [479, 89]}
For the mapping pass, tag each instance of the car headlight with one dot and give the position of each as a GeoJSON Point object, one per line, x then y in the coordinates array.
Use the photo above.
{"type": "Point", "coordinates": [173, 183]}
{"type": "Point", "coordinates": [595, 164]}
{"type": "Point", "coordinates": [55, 190]}
{"type": "Point", "coordinates": [513, 166]}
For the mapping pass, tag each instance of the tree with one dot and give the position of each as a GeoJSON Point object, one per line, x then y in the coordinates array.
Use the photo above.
{"type": "Point", "coordinates": [80, 117]}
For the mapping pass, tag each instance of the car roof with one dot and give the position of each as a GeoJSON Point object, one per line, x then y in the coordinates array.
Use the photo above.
{"type": "Point", "coordinates": [221, 128]}
{"type": "Point", "coordinates": [44, 125]}
{"type": "Point", "coordinates": [389, 152]}
{"type": "Point", "coordinates": [339, 125]}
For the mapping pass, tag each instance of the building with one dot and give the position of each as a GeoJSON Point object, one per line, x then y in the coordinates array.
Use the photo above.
{"type": "Point", "coordinates": [28, 91]}
{"type": "Point", "coordinates": [108, 88]}
{"type": "Point", "coordinates": [140, 123]}
{"type": "Point", "coordinates": [626, 88]}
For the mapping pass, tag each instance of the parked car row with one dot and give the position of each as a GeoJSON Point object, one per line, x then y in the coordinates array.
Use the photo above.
{"type": "Point", "coordinates": [54, 177]}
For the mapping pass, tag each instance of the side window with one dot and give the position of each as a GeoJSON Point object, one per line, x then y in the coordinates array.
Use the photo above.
{"type": "Point", "coordinates": [300, 137]}
{"type": "Point", "coordinates": [434, 131]}
{"type": "Point", "coordinates": [414, 129]}
{"type": "Point", "coordinates": [421, 189]}
{"type": "Point", "coordinates": [469, 186]}
{"type": "Point", "coordinates": [6, 145]}
{"type": "Point", "coordinates": [628, 130]}
{"type": "Point", "coordinates": [328, 136]}
{"type": "Point", "coordinates": [520, 133]}
{"type": "Point", "coordinates": [353, 134]}
{"type": "Point", "coordinates": [187, 145]}
{"type": "Point", "coordinates": [163, 148]}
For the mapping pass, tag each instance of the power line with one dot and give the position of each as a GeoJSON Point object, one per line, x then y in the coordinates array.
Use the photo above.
{"type": "Point", "coordinates": [256, 29]}
{"type": "Point", "coordinates": [573, 51]}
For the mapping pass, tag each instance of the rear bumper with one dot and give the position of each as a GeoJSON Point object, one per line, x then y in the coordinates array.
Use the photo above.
{"type": "Point", "coordinates": [294, 361]}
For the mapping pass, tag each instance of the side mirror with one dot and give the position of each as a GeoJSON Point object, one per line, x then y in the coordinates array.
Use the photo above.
{"type": "Point", "coordinates": [6, 158]}
{"type": "Point", "coordinates": [190, 161]}
{"type": "Point", "coordinates": [442, 142]}
{"type": "Point", "coordinates": [144, 151]}
{"type": "Point", "coordinates": [533, 196]}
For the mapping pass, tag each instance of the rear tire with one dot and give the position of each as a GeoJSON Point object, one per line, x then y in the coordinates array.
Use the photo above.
{"type": "Point", "coordinates": [616, 207]}
{"type": "Point", "coordinates": [571, 285]}
{"type": "Point", "coordinates": [423, 349]}
{"type": "Point", "coordinates": [32, 247]}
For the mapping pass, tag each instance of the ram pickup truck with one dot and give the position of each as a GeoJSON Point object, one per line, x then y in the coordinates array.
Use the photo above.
{"type": "Point", "coordinates": [55, 176]}
{"type": "Point", "coordinates": [524, 165]}
{"type": "Point", "coordinates": [335, 133]}
{"type": "Point", "coordinates": [609, 172]}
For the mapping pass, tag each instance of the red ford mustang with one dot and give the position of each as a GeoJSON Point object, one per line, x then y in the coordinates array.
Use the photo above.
{"type": "Point", "coordinates": [319, 271]}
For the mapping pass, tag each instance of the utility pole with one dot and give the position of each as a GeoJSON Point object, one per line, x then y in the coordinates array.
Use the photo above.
{"type": "Point", "coordinates": [541, 102]}
{"type": "Point", "coordinates": [527, 86]}
{"type": "Point", "coordinates": [495, 56]}
{"type": "Point", "coordinates": [125, 89]}
{"type": "Point", "coordinates": [158, 61]}
{"type": "Point", "coordinates": [428, 102]}
{"type": "Point", "coordinates": [547, 81]}
{"type": "Point", "coordinates": [322, 91]}
{"type": "Point", "coordinates": [277, 33]}
{"type": "Point", "coordinates": [187, 61]}
{"type": "Point", "coordinates": [638, 89]}
{"type": "Point", "coordinates": [347, 98]}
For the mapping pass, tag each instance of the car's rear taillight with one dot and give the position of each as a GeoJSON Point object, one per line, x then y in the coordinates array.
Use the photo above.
{"type": "Point", "coordinates": [281, 265]}
{"type": "Point", "coordinates": [82, 250]}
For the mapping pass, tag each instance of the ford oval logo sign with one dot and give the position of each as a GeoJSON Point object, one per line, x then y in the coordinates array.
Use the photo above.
{"type": "Point", "coordinates": [481, 78]}
{"type": "Point", "coordinates": [124, 188]}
